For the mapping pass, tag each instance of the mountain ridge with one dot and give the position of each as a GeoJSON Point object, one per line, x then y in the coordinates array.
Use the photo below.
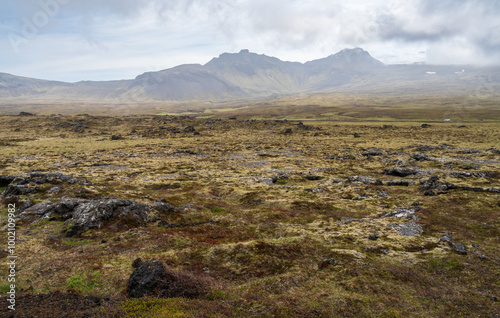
{"type": "Point", "coordinates": [236, 76]}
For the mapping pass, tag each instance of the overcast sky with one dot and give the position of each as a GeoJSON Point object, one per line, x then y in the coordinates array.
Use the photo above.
{"type": "Point", "coordinates": [74, 40]}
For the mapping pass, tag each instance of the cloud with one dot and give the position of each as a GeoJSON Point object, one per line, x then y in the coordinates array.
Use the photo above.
{"type": "Point", "coordinates": [170, 32]}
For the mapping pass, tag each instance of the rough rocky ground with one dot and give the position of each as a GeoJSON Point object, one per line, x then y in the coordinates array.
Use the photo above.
{"type": "Point", "coordinates": [290, 218]}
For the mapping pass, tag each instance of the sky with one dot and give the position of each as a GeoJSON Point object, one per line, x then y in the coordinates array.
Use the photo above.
{"type": "Point", "coordinates": [73, 40]}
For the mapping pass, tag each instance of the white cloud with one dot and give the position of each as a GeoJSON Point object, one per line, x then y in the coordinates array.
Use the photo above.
{"type": "Point", "coordinates": [120, 38]}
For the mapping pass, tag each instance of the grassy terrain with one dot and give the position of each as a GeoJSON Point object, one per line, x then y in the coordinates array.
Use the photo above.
{"type": "Point", "coordinates": [297, 247]}
{"type": "Point", "coordinates": [317, 106]}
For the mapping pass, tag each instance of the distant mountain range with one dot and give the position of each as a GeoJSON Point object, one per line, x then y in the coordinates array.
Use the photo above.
{"type": "Point", "coordinates": [248, 75]}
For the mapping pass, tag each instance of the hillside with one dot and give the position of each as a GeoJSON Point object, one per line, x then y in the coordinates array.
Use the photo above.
{"type": "Point", "coordinates": [244, 75]}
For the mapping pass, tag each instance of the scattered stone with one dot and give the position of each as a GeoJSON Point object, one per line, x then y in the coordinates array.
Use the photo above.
{"type": "Point", "coordinates": [116, 137]}
{"type": "Point", "coordinates": [312, 177]}
{"type": "Point", "coordinates": [269, 181]}
{"type": "Point", "coordinates": [316, 190]}
{"type": "Point", "coordinates": [445, 238]}
{"type": "Point", "coordinates": [401, 172]}
{"type": "Point", "coordinates": [460, 249]}
{"type": "Point", "coordinates": [433, 186]}
{"type": "Point", "coordinates": [363, 196]}
{"type": "Point", "coordinates": [494, 150]}
{"type": "Point", "coordinates": [145, 279]}
{"type": "Point", "coordinates": [375, 236]}
{"type": "Point", "coordinates": [420, 156]}
{"type": "Point", "coordinates": [365, 180]}
{"type": "Point", "coordinates": [338, 180]}
{"type": "Point", "coordinates": [327, 262]}
{"type": "Point", "coordinates": [403, 212]}
{"type": "Point", "coordinates": [383, 194]}
{"type": "Point", "coordinates": [164, 207]}
{"type": "Point", "coordinates": [403, 183]}
{"type": "Point", "coordinates": [373, 152]}
{"type": "Point", "coordinates": [408, 228]}
{"type": "Point", "coordinates": [27, 203]}
{"type": "Point", "coordinates": [301, 126]}
{"type": "Point", "coordinates": [54, 190]}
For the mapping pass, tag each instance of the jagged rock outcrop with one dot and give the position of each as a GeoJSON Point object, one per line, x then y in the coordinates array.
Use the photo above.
{"type": "Point", "coordinates": [81, 215]}
{"type": "Point", "coordinates": [24, 184]}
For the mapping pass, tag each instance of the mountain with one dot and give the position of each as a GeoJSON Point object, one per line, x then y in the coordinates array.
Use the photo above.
{"type": "Point", "coordinates": [233, 76]}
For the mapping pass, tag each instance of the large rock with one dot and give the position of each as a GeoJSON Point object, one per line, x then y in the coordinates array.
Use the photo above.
{"type": "Point", "coordinates": [420, 156]}
{"type": "Point", "coordinates": [82, 215]}
{"type": "Point", "coordinates": [6, 180]}
{"type": "Point", "coordinates": [145, 279]}
{"type": "Point", "coordinates": [95, 213]}
{"type": "Point", "coordinates": [401, 172]}
{"type": "Point", "coordinates": [402, 212]}
{"type": "Point", "coordinates": [433, 185]}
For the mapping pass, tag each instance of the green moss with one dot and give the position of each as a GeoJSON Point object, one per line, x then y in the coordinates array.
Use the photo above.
{"type": "Point", "coordinates": [85, 283]}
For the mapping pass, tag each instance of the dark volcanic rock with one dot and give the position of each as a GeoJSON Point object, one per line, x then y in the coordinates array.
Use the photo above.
{"type": "Point", "coordinates": [433, 186]}
{"type": "Point", "coordinates": [82, 215]}
{"type": "Point", "coordinates": [301, 126]}
{"type": "Point", "coordinates": [383, 194]}
{"type": "Point", "coordinates": [95, 213]}
{"type": "Point", "coordinates": [145, 279]}
{"type": "Point", "coordinates": [41, 210]}
{"type": "Point", "coordinates": [402, 212]}
{"type": "Point", "coordinates": [313, 177]}
{"type": "Point", "coordinates": [403, 183]}
{"type": "Point", "coordinates": [364, 179]}
{"type": "Point", "coordinates": [163, 206]}
{"type": "Point", "coordinates": [420, 156]}
{"type": "Point", "coordinates": [460, 249]}
{"type": "Point", "coordinates": [269, 181]}
{"type": "Point", "coordinates": [14, 190]}
{"type": "Point", "coordinates": [153, 278]}
{"type": "Point", "coordinates": [28, 183]}
{"type": "Point", "coordinates": [373, 152]}
{"type": "Point", "coordinates": [189, 129]}
{"type": "Point", "coordinates": [6, 180]}
{"type": "Point", "coordinates": [401, 172]}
